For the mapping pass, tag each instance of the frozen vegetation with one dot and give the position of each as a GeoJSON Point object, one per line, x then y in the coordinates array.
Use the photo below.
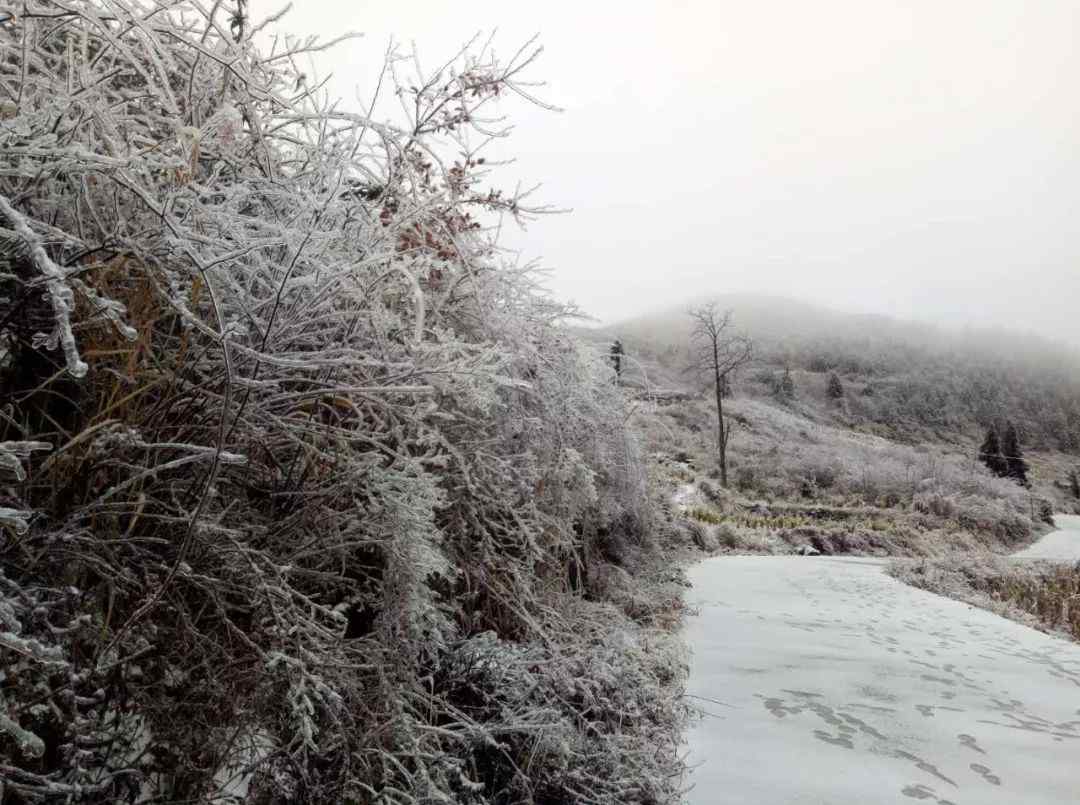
{"type": "Point", "coordinates": [1039, 586]}
{"type": "Point", "coordinates": [798, 481]}
{"type": "Point", "coordinates": [909, 382]}
{"type": "Point", "coordinates": [308, 493]}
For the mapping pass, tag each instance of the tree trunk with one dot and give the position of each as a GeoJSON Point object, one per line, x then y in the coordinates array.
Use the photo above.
{"type": "Point", "coordinates": [722, 354]}
{"type": "Point", "coordinates": [722, 437]}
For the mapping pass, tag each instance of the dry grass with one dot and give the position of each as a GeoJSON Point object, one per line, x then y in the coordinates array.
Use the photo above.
{"type": "Point", "coordinates": [1036, 593]}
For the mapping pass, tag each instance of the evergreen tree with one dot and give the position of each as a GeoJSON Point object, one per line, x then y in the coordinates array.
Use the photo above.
{"type": "Point", "coordinates": [1015, 466]}
{"type": "Point", "coordinates": [835, 388]}
{"type": "Point", "coordinates": [616, 358]}
{"type": "Point", "coordinates": [990, 454]}
{"type": "Point", "coordinates": [787, 384]}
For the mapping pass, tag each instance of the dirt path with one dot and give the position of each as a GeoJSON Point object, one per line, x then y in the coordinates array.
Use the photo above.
{"type": "Point", "coordinates": [826, 681]}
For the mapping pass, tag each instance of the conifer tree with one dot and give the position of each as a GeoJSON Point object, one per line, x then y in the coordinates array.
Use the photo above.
{"type": "Point", "coordinates": [990, 454]}
{"type": "Point", "coordinates": [616, 358]}
{"type": "Point", "coordinates": [1015, 466]}
{"type": "Point", "coordinates": [787, 385]}
{"type": "Point", "coordinates": [835, 388]}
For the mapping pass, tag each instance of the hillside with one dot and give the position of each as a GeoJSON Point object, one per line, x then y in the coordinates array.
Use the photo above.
{"type": "Point", "coordinates": [910, 382]}
{"type": "Point", "coordinates": [887, 467]}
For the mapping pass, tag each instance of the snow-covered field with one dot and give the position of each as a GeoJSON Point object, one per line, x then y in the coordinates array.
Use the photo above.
{"type": "Point", "coordinates": [1063, 544]}
{"type": "Point", "coordinates": [826, 681]}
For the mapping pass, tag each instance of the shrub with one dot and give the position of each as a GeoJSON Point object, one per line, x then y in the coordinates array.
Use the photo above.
{"type": "Point", "coordinates": [834, 388]}
{"type": "Point", "coordinates": [715, 495]}
{"type": "Point", "coordinates": [745, 478]}
{"type": "Point", "coordinates": [934, 503]}
{"type": "Point", "coordinates": [298, 473]}
{"type": "Point", "coordinates": [1045, 510]}
{"type": "Point", "coordinates": [701, 533]}
{"type": "Point", "coordinates": [728, 536]}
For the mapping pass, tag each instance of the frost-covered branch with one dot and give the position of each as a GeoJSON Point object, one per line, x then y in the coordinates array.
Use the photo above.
{"type": "Point", "coordinates": [323, 482]}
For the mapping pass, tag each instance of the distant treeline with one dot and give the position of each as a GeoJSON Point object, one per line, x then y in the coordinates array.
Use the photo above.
{"type": "Point", "coordinates": [900, 383]}
{"type": "Point", "coordinates": [905, 376]}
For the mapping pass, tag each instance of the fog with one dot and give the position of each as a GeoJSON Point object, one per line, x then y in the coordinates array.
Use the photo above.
{"type": "Point", "coordinates": [916, 159]}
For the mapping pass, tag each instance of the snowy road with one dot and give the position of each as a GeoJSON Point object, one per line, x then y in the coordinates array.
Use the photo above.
{"type": "Point", "coordinates": [826, 681]}
{"type": "Point", "coordinates": [1063, 544]}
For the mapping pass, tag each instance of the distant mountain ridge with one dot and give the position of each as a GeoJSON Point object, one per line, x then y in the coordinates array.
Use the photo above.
{"type": "Point", "coordinates": [771, 316]}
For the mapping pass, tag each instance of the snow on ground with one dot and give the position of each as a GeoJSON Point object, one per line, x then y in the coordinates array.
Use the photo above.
{"type": "Point", "coordinates": [826, 681]}
{"type": "Point", "coordinates": [683, 495]}
{"type": "Point", "coordinates": [1063, 544]}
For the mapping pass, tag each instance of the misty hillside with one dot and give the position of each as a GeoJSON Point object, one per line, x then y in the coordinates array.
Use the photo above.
{"type": "Point", "coordinates": [904, 380]}
{"type": "Point", "coordinates": [842, 438]}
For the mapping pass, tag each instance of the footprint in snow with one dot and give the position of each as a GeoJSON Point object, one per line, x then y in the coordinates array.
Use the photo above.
{"type": "Point", "coordinates": [985, 773]}
{"type": "Point", "coordinates": [970, 742]}
{"type": "Point", "coordinates": [838, 740]}
{"type": "Point", "coordinates": [917, 791]}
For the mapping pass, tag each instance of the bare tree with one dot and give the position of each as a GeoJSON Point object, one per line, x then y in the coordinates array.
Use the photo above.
{"type": "Point", "coordinates": [718, 352]}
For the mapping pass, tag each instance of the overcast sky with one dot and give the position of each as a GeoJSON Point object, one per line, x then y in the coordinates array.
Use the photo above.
{"type": "Point", "coordinates": [916, 158]}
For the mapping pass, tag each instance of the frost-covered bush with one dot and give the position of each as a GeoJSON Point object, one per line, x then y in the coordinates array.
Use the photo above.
{"type": "Point", "coordinates": [746, 477]}
{"type": "Point", "coordinates": [702, 534]}
{"type": "Point", "coordinates": [728, 535]}
{"type": "Point", "coordinates": [283, 435]}
{"type": "Point", "coordinates": [934, 503]}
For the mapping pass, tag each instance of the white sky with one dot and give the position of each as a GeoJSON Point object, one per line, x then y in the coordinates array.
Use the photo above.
{"type": "Point", "coordinates": [917, 158]}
